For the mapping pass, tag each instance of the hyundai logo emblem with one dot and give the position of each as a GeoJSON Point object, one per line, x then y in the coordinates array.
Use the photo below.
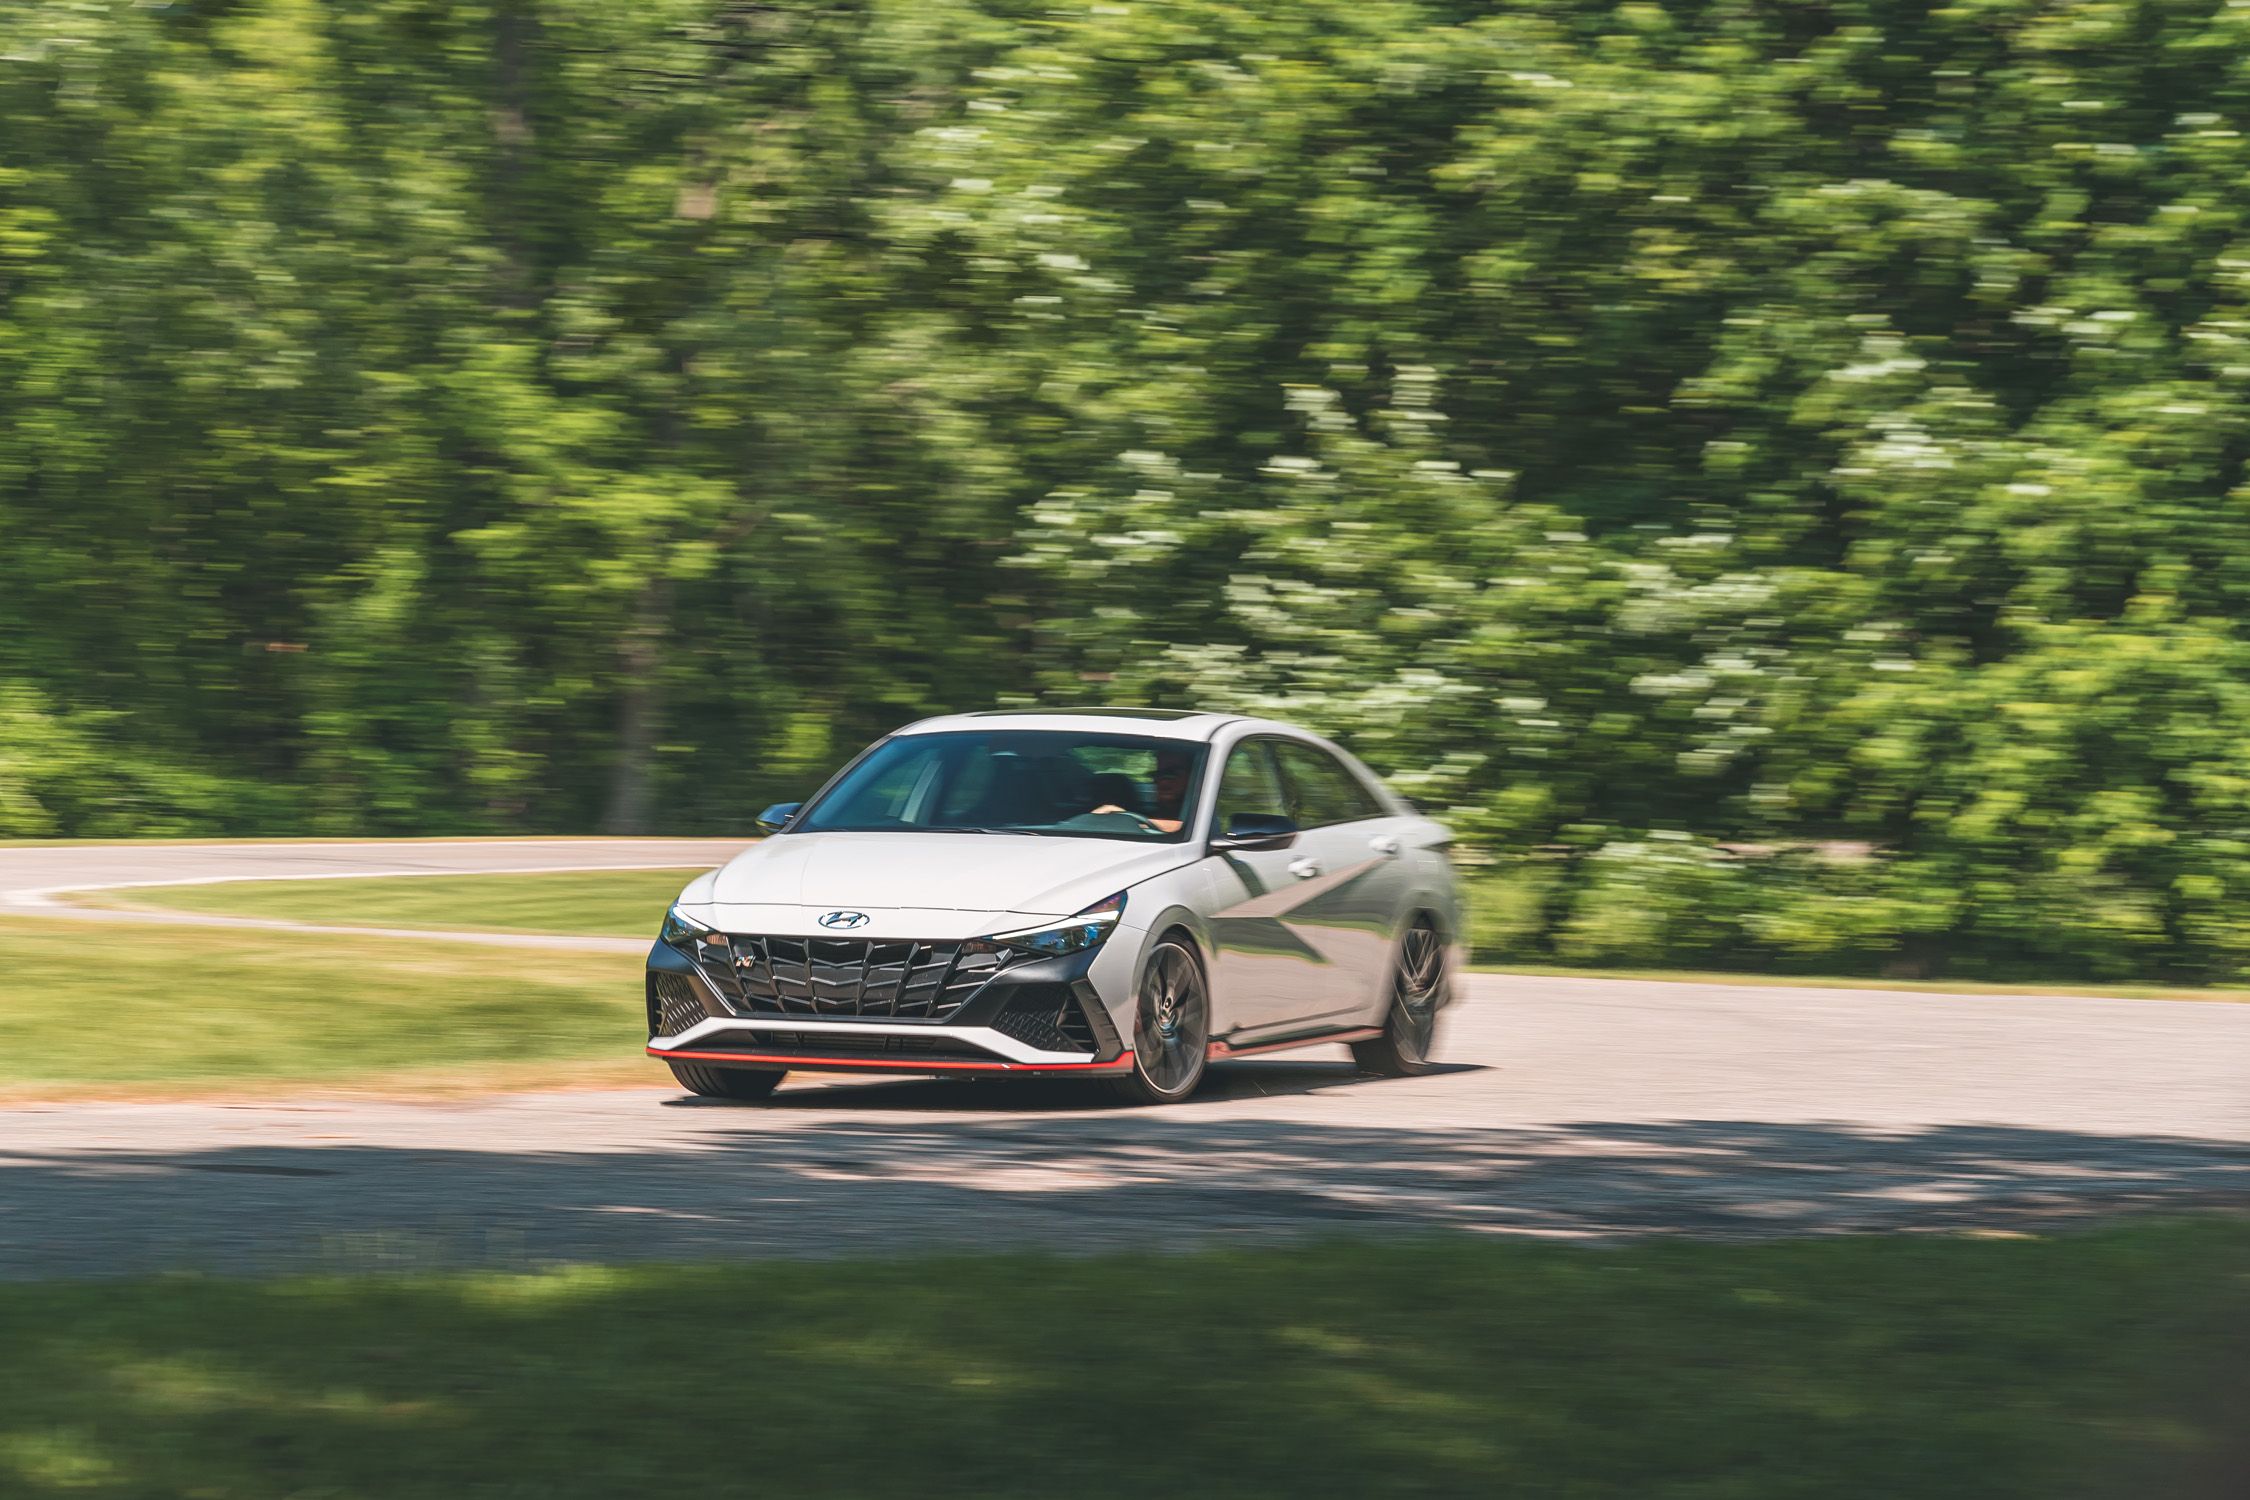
{"type": "Point", "coordinates": [844, 919]}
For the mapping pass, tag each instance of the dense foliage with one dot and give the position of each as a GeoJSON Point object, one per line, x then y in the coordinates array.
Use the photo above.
{"type": "Point", "coordinates": [1780, 468]}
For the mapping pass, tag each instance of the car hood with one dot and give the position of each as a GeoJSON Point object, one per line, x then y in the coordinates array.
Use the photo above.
{"type": "Point", "coordinates": [989, 872]}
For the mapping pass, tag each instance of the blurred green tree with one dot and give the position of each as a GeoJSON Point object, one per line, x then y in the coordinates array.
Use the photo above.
{"type": "Point", "coordinates": [1780, 471]}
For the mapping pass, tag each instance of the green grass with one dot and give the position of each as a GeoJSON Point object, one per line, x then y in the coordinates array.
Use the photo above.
{"type": "Point", "coordinates": [89, 1006]}
{"type": "Point", "coordinates": [1506, 914]}
{"type": "Point", "coordinates": [2104, 1364]}
{"type": "Point", "coordinates": [627, 903]}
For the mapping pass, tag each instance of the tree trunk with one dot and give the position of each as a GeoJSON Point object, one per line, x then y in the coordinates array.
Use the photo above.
{"type": "Point", "coordinates": [640, 711]}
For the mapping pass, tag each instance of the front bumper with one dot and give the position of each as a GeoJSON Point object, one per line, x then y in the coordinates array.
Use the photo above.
{"type": "Point", "coordinates": [1035, 1015]}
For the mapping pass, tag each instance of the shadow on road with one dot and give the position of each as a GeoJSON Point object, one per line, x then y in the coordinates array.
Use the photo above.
{"type": "Point", "coordinates": [1270, 1079]}
{"type": "Point", "coordinates": [826, 1174]}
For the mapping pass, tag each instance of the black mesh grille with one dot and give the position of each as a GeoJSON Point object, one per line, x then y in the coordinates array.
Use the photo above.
{"type": "Point", "coordinates": [674, 1005]}
{"type": "Point", "coordinates": [1046, 1016]}
{"type": "Point", "coordinates": [847, 977]}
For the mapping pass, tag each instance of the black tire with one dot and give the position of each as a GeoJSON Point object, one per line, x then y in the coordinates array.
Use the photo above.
{"type": "Point", "coordinates": [726, 1083]}
{"type": "Point", "coordinates": [1419, 986]}
{"type": "Point", "coordinates": [1171, 1028]}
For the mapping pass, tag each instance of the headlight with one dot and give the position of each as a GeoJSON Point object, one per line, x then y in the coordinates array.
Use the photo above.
{"type": "Point", "coordinates": [683, 931]}
{"type": "Point", "coordinates": [1088, 929]}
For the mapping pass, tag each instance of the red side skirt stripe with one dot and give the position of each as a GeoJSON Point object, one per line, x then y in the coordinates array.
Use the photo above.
{"type": "Point", "coordinates": [1350, 1034]}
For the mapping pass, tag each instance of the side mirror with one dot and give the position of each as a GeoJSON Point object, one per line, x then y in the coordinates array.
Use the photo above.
{"type": "Point", "coordinates": [772, 818]}
{"type": "Point", "coordinates": [1255, 831]}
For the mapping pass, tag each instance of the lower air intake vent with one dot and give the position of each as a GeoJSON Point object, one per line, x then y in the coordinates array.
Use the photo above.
{"type": "Point", "coordinates": [1046, 1016]}
{"type": "Point", "coordinates": [673, 1004]}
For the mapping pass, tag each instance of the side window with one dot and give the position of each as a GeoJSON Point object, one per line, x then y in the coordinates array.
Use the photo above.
{"type": "Point", "coordinates": [1323, 792]}
{"type": "Point", "coordinates": [1249, 785]}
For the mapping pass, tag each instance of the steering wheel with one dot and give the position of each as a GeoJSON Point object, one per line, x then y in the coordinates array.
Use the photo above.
{"type": "Point", "coordinates": [1101, 814]}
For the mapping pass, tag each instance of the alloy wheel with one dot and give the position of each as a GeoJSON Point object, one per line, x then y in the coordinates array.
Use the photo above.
{"type": "Point", "coordinates": [1416, 992]}
{"type": "Point", "coordinates": [1173, 1025]}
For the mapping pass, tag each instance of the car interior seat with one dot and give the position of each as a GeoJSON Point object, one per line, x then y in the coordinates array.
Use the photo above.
{"type": "Point", "coordinates": [1007, 795]}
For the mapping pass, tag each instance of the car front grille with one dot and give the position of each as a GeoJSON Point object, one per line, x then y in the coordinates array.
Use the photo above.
{"type": "Point", "coordinates": [876, 979]}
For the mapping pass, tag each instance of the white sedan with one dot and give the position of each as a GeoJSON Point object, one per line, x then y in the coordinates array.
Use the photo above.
{"type": "Point", "coordinates": [1124, 894]}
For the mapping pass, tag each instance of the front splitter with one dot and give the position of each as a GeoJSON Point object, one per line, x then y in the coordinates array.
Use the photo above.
{"type": "Point", "coordinates": [1122, 1063]}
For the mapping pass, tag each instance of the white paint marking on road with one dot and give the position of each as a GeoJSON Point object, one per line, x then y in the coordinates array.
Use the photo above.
{"type": "Point", "coordinates": [46, 897]}
{"type": "Point", "coordinates": [37, 880]}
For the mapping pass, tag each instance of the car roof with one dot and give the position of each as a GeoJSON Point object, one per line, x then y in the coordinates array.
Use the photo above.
{"type": "Point", "coordinates": [1150, 723]}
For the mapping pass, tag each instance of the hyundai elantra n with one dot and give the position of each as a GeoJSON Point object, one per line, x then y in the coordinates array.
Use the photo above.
{"type": "Point", "coordinates": [1121, 895]}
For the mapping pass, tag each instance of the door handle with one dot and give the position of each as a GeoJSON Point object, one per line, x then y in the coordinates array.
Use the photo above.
{"type": "Point", "coordinates": [1304, 869]}
{"type": "Point", "coordinates": [1383, 844]}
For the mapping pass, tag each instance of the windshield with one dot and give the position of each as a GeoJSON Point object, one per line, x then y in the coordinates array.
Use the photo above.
{"type": "Point", "coordinates": [1056, 782]}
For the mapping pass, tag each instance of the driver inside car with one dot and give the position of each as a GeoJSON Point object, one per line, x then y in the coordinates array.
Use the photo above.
{"type": "Point", "coordinates": [1169, 782]}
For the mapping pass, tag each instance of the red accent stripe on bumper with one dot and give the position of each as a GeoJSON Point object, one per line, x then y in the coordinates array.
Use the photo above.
{"type": "Point", "coordinates": [1119, 1064]}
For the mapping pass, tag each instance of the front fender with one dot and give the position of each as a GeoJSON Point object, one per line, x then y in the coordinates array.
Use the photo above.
{"type": "Point", "coordinates": [1124, 959]}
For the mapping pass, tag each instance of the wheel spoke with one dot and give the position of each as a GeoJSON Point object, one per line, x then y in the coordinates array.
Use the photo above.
{"type": "Point", "coordinates": [1425, 958]}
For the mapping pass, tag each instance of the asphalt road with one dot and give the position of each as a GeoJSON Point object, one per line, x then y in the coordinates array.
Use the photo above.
{"type": "Point", "coordinates": [1568, 1107]}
